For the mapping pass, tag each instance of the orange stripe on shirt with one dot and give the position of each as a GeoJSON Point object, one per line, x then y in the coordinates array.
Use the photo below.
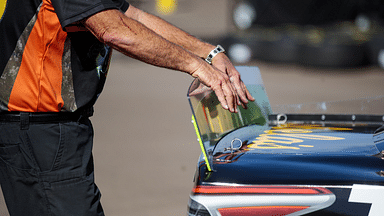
{"type": "Point", "coordinates": [38, 84]}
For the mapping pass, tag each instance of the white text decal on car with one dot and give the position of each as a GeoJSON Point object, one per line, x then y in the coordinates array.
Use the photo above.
{"type": "Point", "coordinates": [369, 194]}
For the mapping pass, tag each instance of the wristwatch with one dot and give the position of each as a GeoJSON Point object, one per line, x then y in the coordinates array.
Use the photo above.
{"type": "Point", "coordinates": [213, 53]}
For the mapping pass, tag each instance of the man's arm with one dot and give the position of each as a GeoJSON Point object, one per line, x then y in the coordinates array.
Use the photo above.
{"type": "Point", "coordinates": [192, 44]}
{"type": "Point", "coordinates": [136, 40]}
{"type": "Point", "coordinates": [170, 32]}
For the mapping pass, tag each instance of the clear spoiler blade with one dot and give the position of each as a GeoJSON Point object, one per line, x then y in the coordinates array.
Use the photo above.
{"type": "Point", "coordinates": [212, 122]}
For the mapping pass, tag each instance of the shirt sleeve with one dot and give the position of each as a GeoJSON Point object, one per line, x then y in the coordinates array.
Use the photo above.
{"type": "Point", "coordinates": [71, 11]}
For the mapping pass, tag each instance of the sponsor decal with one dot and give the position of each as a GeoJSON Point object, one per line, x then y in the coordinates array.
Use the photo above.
{"type": "Point", "coordinates": [286, 137]}
{"type": "Point", "coordinates": [262, 200]}
{"type": "Point", "coordinates": [370, 194]}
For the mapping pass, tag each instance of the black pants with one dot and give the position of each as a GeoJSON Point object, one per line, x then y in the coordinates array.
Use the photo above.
{"type": "Point", "coordinates": [47, 169]}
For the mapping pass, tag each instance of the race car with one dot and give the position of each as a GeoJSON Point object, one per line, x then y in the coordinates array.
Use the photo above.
{"type": "Point", "coordinates": [307, 159]}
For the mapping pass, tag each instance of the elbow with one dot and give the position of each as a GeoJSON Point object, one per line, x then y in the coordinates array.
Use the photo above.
{"type": "Point", "coordinates": [108, 27]}
{"type": "Point", "coordinates": [118, 41]}
{"type": "Point", "coordinates": [115, 39]}
{"type": "Point", "coordinates": [107, 36]}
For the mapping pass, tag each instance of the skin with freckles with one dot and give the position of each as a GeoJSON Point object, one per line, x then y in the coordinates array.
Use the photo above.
{"type": "Point", "coordinates": [152, 40]}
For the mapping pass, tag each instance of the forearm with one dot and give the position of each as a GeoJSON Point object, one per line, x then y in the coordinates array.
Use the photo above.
{"type": "Point", "coordinates": [136, 40]}
{"type": "Point", "coordinates": [171, 32]}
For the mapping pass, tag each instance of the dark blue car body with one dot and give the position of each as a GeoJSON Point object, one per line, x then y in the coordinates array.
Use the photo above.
{"type": "Point", "coordinates": [267, 162]}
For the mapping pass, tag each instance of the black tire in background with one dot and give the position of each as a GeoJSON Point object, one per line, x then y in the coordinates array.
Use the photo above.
{"type": "Point", "coordinates": [375, 49]}
{"type": "Point", "coordinates": [375, 46]}
{"type": "Point", "coordinates": [262, 43]}
{"type": "Point", "coordinates": [241, 47]}
{"type": "Point", "coordinates": [280, 44]}
{"type": "Point", "coordinates": [247, 14]}
{"type": "Point", "coordinates": [339, 46]}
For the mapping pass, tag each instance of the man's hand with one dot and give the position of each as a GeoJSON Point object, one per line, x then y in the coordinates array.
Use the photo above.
{"type": "Point", "coordinates": [201, 49]}
{"type": "Point", "coordinates": [220, 83]}
{"type": "Point", "coordinates": [222, 63]}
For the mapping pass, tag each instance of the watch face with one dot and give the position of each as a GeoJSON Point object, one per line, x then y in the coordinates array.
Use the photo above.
{"type": "Point", "coordinates": [213, 53]}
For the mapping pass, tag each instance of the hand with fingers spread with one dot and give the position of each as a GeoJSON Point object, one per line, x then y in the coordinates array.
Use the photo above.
{"type": "Point", "coordinates": [219, 82]}
{"type": "Point", "coordinates": [222, 63]}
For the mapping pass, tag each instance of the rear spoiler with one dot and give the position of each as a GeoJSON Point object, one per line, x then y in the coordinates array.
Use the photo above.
{"type": "Point", "coordinates": [211, 122]}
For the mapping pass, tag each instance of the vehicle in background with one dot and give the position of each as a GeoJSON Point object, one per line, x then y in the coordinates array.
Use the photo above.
{"type": "Point", "coordinates": [332, 34]}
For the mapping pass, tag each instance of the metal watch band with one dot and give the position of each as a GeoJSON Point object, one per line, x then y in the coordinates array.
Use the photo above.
{"type": "Point", "coordinates": [213, 53]}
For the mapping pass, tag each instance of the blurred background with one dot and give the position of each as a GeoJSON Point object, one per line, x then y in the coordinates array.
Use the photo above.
{"type": "Point", "coordinates": [319, 33]}
{"type": "Point", "coordinates": [145, 147]}
{"type": "Point", "coordinates": [309, 50]}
